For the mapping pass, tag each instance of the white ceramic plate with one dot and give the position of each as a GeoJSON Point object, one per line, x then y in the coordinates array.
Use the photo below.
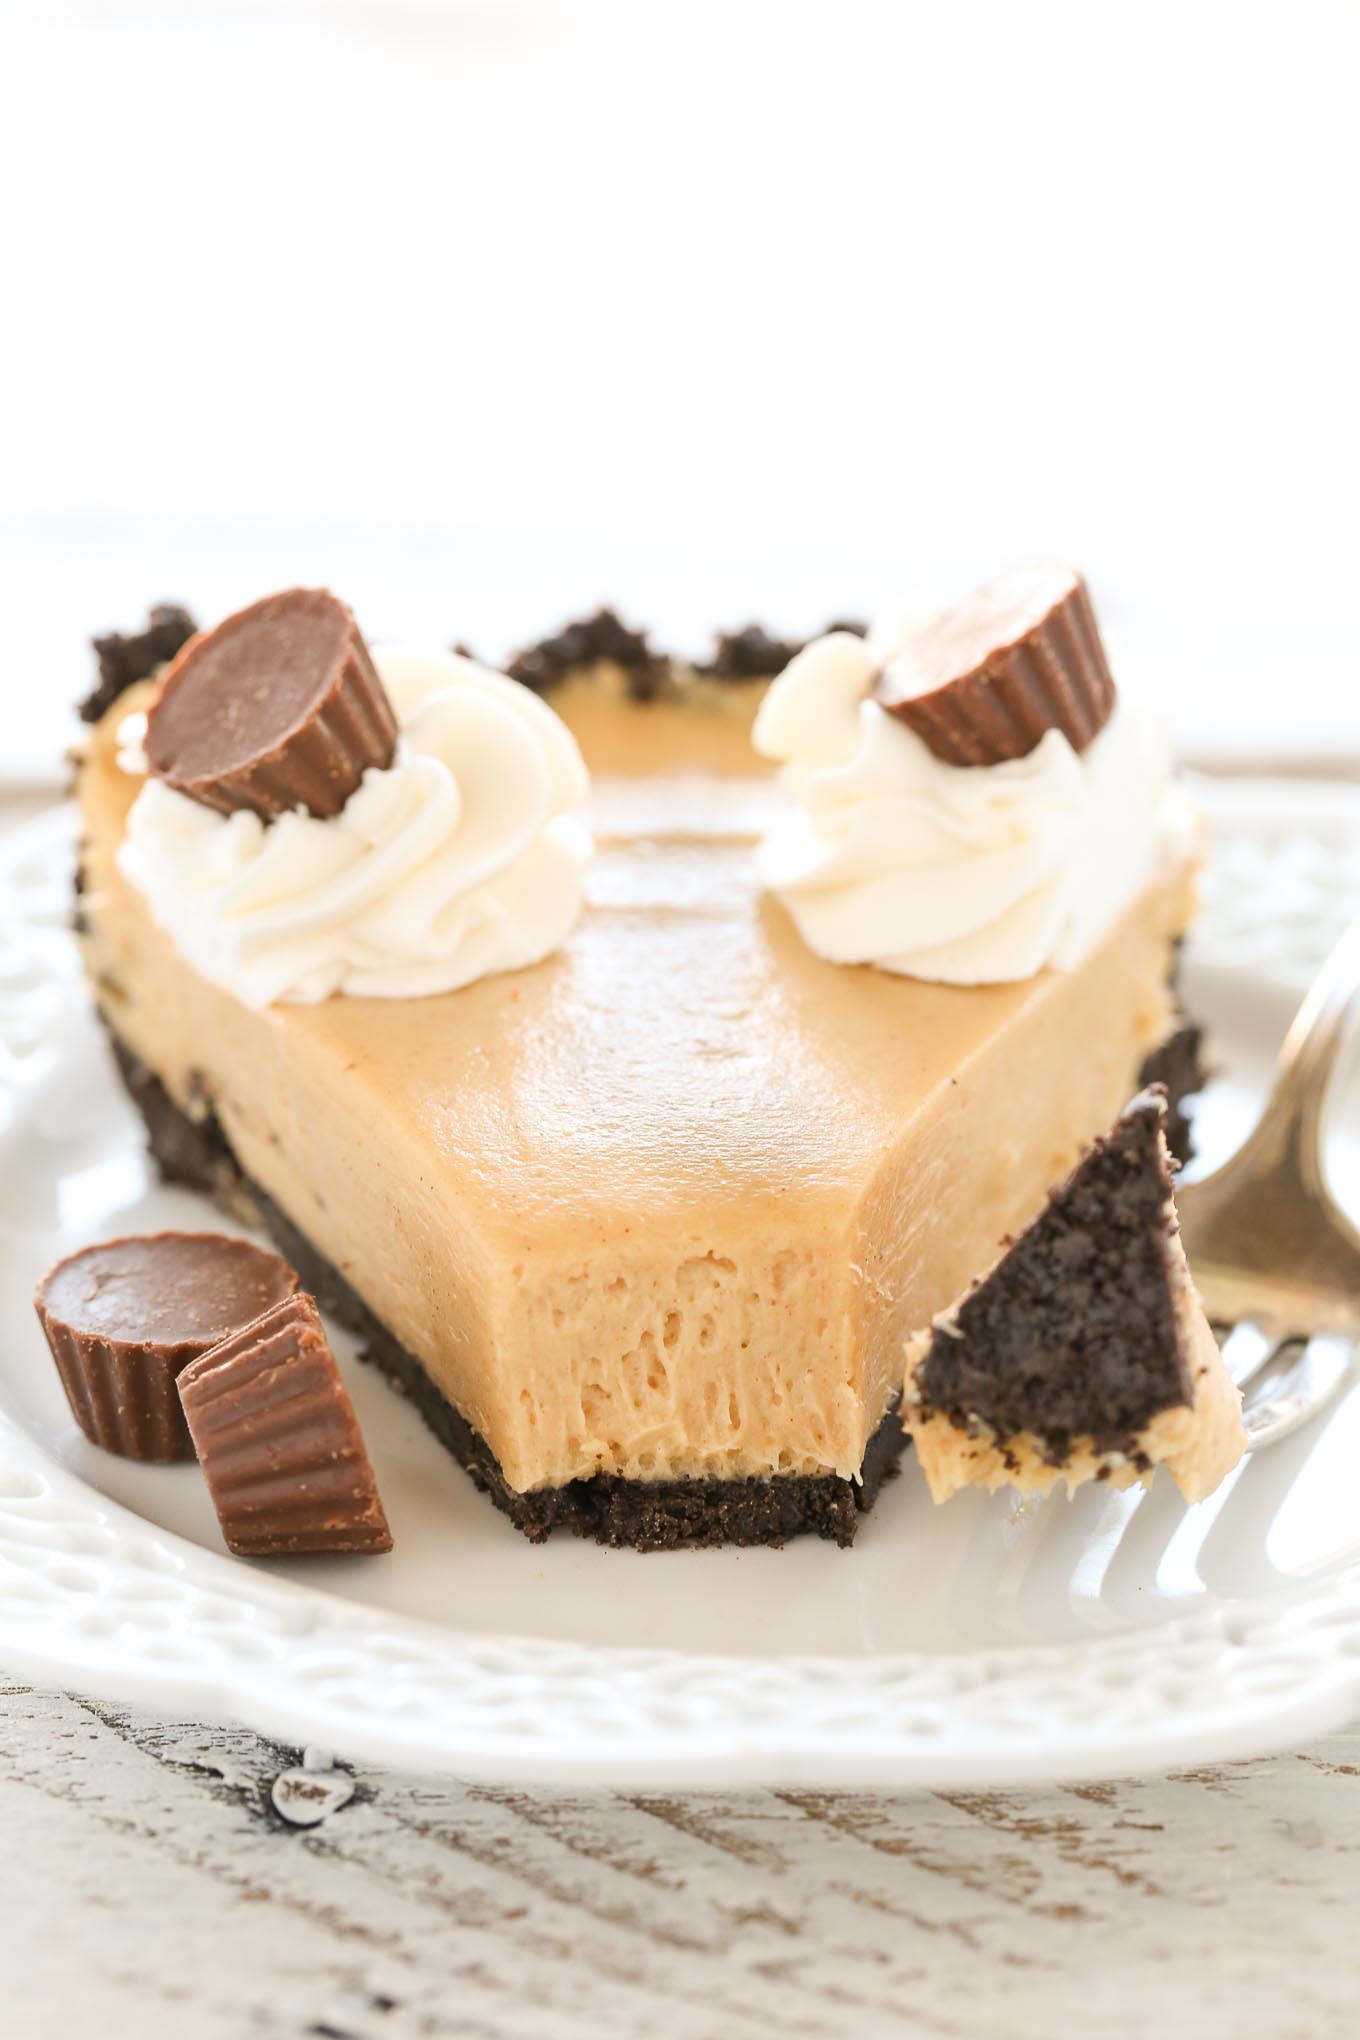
{"type": "Point", "coordinates": [978, 1644]}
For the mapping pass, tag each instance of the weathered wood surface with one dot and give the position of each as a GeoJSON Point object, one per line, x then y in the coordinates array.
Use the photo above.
{"type": "Point", "coordinates": [148, 1888]}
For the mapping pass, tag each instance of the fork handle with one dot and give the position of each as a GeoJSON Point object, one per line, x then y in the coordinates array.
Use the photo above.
{"type": "Point", "coordinates": [1292, 1118]}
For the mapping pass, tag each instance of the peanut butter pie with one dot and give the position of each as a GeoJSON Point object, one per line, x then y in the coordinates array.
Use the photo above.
{"type": "Point", "coordinates": [639, 1054]}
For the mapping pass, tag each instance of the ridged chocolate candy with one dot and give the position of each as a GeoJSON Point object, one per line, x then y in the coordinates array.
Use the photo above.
{"type": "Point", "coordinates": [125, 1317]}
{"type": "Point", "coordinates": [987, 680]}
{"type": "Point", "coordinates": [279, 707]}
{"type": "Point", "coordinates": [278, 1441]}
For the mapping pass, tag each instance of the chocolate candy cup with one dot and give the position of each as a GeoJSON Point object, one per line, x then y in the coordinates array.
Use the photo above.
{"type": "Point", "coordinates": [278, 1441]}
{"type": "Point", "coordinates": [125, 1317]}
{"type": "Point", "coordinates": [987, 680]}
{"type": "Point", "coordinates": [279, 707]}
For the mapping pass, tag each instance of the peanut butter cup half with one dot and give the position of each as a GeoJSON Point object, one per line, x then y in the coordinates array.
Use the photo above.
{"type": "Point", "coordinates": [279, 1443]}
{"type": "Point", "coordinates": [986, 680]}
{"type": "Point", "coordinates": [279, 707]}
{"type": "Point", "coordinates": [125, 1317]}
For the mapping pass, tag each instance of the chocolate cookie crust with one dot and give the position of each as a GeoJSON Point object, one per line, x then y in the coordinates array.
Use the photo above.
{"type": "Point", "coordinates": [626, 1514]}
{"type": "Point", "coordinates": [1073, 1334]}
{"type": "Point", "coordinates": [750, 653]}
{"type": "Point", "coordinates": [588, 641]}
{"type": "Point", "coordinates": [126, 659]}
{"type": "Point", "coordinates": [1179, 1066]}
{"type": "Point", "coordinates": [753, 653]}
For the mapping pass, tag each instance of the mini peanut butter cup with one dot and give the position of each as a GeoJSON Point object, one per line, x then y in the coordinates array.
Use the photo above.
{"type": "Point", "coordinates": [124, 1318]}
{"type": "Point", "coordinates": [987, 680]}
{"type": "Point", "coordinates": [279, 707]}
{"type": "Point", "coordinates": [278, 1441]}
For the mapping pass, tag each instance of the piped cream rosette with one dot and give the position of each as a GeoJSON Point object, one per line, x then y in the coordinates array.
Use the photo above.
{"type": "Point", "coordinates": [463, 858]}
{"type": "Point", "coordinates": [963, 875]}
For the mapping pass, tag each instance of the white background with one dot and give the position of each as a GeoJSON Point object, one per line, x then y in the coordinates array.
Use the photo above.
{"type": "Point", "coordinates": [710, 308]}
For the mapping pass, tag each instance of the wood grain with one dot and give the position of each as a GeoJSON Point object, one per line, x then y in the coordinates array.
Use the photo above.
{"type": "Point", "coordinates": [148, 1887]}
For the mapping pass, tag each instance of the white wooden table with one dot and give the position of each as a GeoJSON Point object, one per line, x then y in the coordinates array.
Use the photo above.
{"type": "Point", "coordinates": [148, 1888]}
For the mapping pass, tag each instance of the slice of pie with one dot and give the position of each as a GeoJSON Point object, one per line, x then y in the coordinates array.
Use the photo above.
{"type": "Point", "coordinates": [1084, 1354]}
{"type": "Point", "coordinates": [643, 1227]}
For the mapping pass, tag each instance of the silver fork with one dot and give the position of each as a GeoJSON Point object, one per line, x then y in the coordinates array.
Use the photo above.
{"type": "Point", "coordinates": [1276, 1262]}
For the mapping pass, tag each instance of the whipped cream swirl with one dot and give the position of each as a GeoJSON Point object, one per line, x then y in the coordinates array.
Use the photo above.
{"type": "Point", "coordinates": [464, 857]}
{"type": "Point", "coordinates": [977, 875]}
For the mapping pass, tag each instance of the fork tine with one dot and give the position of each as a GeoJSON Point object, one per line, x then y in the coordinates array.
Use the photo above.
{"type": "Point", "coordinates": [1307, 1388]}
{"type": "Point", "coordinates": [1246, 1349]}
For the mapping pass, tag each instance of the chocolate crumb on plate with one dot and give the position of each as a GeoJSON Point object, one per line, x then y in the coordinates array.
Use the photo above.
{"type": "Point", "coordinates": [278, 707]}
{"type": "Point", "coordinates": [279, 1443]}
{"type": "Point", "coordinates": [988, 679]}
{"type": "Point", "coordinates": [124, 1318]}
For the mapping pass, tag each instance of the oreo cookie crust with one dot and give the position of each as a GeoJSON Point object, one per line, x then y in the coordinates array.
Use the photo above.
{"type": "Point", "coordinates": [1084, 1353]}
{"type": "Point", "coordinates": [1178, 1065]}
{"type": "Point", "coordinates": [124, 658]}
{"type": "Point", "coordinates": [1073, 1334]}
